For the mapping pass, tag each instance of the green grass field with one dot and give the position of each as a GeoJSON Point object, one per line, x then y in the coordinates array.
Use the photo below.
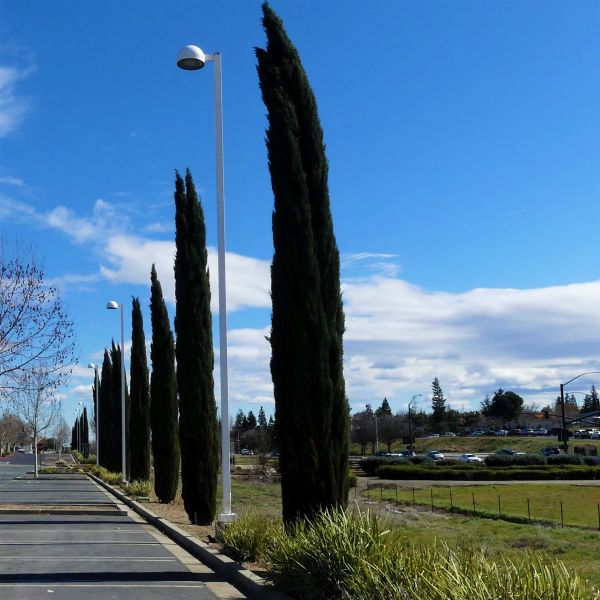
{"type": "Point", "coordinates": [577, 548]}
{"type": "Point", "coordinates": [580, 503]}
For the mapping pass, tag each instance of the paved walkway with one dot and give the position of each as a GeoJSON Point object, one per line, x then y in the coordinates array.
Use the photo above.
{"type": "Point", "coordinates": [65, 536]}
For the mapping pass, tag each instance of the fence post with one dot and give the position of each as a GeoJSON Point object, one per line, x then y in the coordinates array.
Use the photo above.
{"type": "Point", "coordinates": [528, 511]}
{"type": "Point", "coordinates": [396, 493]}
{"type": "Point", "coordinates": [368, 487]}
{"type": "Point", "coordinates": [562, 521]}
{"type": "Point", "coordinates": [451, 505]}
{"type": "Point", "coordinates": [381, 493]}
{"type": "Point", "coordinates": [431, 490]}
{"type": "Point", "coordinates": [474, 510]}
{"type": "Point", "coordinates": [499, 508]}
{"type": "Point", "coordinates": [414, 504]}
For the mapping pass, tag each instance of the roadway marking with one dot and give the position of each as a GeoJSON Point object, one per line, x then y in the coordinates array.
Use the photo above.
{"type": "Point", "coordinates": [86, 542]}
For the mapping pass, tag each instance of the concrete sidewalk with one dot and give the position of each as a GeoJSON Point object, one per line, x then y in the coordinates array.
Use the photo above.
{"type": "Point", "coordinates": [67, 536]}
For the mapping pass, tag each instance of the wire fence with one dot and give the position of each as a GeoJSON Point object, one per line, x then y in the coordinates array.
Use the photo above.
{"type": "Point", "coordinates": [577, 507]}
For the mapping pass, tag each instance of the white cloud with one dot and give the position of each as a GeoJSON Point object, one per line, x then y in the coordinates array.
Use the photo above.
{"type": "Point", "coordinates": [14, 181]}
{"type": "Point", "coordinates": [12, 106]}
{"type": "Point", "coordinates": [130, 259]}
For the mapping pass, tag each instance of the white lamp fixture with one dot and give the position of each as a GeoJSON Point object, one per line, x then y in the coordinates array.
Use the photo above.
{"type": "Point", "coordinates": [192, 58]}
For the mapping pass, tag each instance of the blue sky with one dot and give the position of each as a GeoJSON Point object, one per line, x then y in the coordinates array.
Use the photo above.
{"type": "Point", "coordinates": [463, 141]}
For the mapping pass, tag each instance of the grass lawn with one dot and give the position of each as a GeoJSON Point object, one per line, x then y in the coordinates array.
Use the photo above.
{"type": "Point", "coordinates": [580, 503]}
{"type": "Point", "coordinates": [575, 547]}
{"type": "Point", "coordinates": [499, 539]}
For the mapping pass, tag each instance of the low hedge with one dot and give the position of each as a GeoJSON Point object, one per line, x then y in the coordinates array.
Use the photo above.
{"type": "Point", "coordinates": [489, 473]}
{"type": "Point", "coordinates": [372, 463]}
{"type": "Point", "coordinates": [506, 460]}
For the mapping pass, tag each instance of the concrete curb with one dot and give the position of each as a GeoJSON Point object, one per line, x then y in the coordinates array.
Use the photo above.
{"type": "Point", "coordinates": [247, 582]}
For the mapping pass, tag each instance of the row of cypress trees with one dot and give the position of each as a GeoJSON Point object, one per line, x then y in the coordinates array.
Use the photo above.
{"type": "Point", "coordinates": [306, 330]}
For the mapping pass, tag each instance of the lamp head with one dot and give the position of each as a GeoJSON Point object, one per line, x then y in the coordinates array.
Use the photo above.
{"type": "Point", "coordinates": [91, 366]}
{"type": "Point", "coordinates": [112, 305]}
{"type": "Point", "coordinates": [191, 58]}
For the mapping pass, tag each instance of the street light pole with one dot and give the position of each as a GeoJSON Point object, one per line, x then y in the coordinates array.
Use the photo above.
{"type": "Point", "coordinates": [113, 305]}
{"type": "Point", "coordinates": [97, 411]}
{"type": "Point", "coordinates": [411, 445]}
{"type": "Point", "coordinates": [192, 58]}
{"type": "Point", "coordinates": [564, 434]}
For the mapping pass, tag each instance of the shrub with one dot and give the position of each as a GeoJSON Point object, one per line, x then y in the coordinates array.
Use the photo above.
{"type": "Point", "coordinates": [250, 537]}
{"type": "Point", "coordinates": [422, 460]}
{"type": "Point", "coordinates": [499, 460]}
{"type": "Point", "coordinates": [565, 459]}
{"type": "Point", "coordinates": [530, 459]}
{"type": "Point", "coordinates": [369, 465]}
{"type": "Point", "coordinates": [534, 473]}
{"type": "Point", "coordinates": [339, 556]}
{"type": "Point", "coordinates": [447, 462]}
{"type": "Point", "coordinates": [139, 487]}
{"type": "Point", "coordinates": [106, 475]}
{"type": "Point", "coordinates": [591, 461]}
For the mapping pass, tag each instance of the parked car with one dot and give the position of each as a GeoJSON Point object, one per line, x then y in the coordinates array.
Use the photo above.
{"type": "Point", "coordinates": [434, 455]}
{"type": "Point", "coordinates": [540, 432]}
{"type": "Point", "coordinates": [550, 451]}
{"type": "Point", "coordinates": [449, 434]}
{"type": "Point", "coordinates": [381, 453]}
{"type": "Point", "coordinates": [434, 435]}
{"type": "Point", "coordinates": [502, 432]}
{"type": "Point", "coordinates": [470, 458]}
{"type": "Point", "coordinates": [407, 453]}
{"type": "Point", "coordinates": [246, 452]}
{"type": "Point", "coordinates": [477, 433]}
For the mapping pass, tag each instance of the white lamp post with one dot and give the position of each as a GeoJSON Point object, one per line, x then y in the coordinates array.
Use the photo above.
{"type": "Point", "coordinates": [96, 383]}
{"type": "Point", "coordinates": [113, 305]}
{"type": "Point", "coordinates": [192, 58]}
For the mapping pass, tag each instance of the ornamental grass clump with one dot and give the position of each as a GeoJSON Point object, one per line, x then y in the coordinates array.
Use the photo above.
{"type": "Point", "coordinates": [250, 538]}
{"type": "Point", "coordinates": [356, 556]}
{"type": "Point", "coordinates": [139, 487]}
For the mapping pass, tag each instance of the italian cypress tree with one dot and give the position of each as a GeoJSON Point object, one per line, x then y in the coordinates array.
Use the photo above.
{"type": "Point", "coordinates": [307, 319]}
{"type": "Point", "coordinates": [74, 436]}
{"type": "Point", "coordinates": [139, 399]}
{"type": "Point", "coordinates": [163, 398]}
{"type": "Point", "coordinates": [198, 435]}
{"type": "Point", "coordinates": [106, 433]}
{"type": "Point", "coordinates": [85, 436]}
{"type": "Point", "coordinates": [116, 418]}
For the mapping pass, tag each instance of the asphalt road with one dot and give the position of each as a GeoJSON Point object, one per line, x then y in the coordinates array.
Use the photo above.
{"type": "Point", "coordinates": [64, 537]}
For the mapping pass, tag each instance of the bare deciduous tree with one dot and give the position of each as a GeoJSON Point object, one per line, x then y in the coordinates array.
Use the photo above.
{"type": "Point", "coordinates": [35, 330]}
{"type": "Point", "coordinates": [34, 402]}
{"type": "Point", "coordinates": [11, 429]}
{"type": "Point", "coordinates": [62, 432]}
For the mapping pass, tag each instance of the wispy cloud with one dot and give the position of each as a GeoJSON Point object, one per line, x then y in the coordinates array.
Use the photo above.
{"type": "Point", "coordinates": [13, 106]}
{"type": "Point", "coordinates": [12, 181]}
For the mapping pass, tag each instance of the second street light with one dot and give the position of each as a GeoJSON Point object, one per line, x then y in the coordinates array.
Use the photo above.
{"type": "Point", "coordinates": [114, 305]}
{"type": "Point", "coordinates": [192, 58]}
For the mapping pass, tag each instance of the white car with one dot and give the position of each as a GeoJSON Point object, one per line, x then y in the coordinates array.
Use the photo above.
{"type": "Point", "coordinates": [470, 458]}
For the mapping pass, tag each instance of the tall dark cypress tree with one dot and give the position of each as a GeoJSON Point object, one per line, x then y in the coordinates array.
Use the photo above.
{"type": "Point", "coordinates": [116, 418]}
{"type": "Point", "coordinates": [139, 423]}
{"type": "Point", "coordinates": [74, 436]}
{"type": "Point", "coordinates": [307, 320]}
{"type": "Point", "coordinates": [85, 435]}
{"type": "Point", "coordinates": [106, 417]}
{"type": "Point", "coordinates": [198, 434]}
{"type": "Point", "coordinates": [163, 398]}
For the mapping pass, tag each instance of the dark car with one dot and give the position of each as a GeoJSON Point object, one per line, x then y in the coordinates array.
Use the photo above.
{"type": "Point", "coordinates": [550, 451]}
